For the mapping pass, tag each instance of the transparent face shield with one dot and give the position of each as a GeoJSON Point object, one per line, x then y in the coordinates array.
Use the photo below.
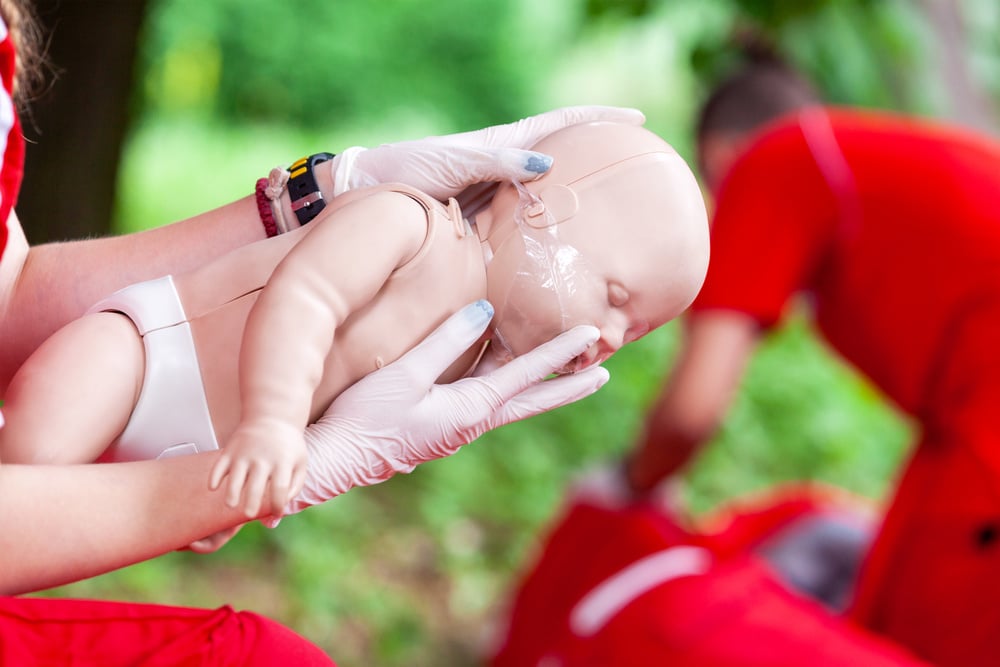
{"type": "Point", "coordinates": [548, 285]}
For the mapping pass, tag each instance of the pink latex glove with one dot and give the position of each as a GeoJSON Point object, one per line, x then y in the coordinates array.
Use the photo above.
{"type": "Point", "coordinates": [604, 485]}
{"type": "Point", "coordinates": [397, 417]}
{"type": "Point", "coordinates": [443, 166]}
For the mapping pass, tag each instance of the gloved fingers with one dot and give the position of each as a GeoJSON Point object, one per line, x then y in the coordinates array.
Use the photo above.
{"type": "Point", "coordinates": [432, 356]}
{"type": "Point", "coordinates": [526, 132]}
{"type": "Point", "coordinates": [441, 170]}
{"type": "Point", "coordinates": [603, 485]}
{"type": "Point", "coordinates": [461, 165]}
{"type": "Point", "coordinates": [515, 376]}
{"type": "Point", "coordinates": [550, 394]}
{"type": "Point", "coordinates": [487, 364]}
{"type": "Point", "coordinates": [214, 542]}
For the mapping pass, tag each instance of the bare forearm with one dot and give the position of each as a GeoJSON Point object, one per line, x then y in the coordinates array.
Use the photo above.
{"type": "Point", "coordinates": [695, 397]}
{"type": "Point", "coordinates": [59, 281]}
{"type": "Point", "coordinates": [660, 453]}
{"type": "Point", "coordinates": [64, 523]}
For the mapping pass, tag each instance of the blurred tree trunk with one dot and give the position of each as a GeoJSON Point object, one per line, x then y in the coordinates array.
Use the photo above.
{"type": "Point", "coordinates": [968, 102]}
{"type": "Point", "coordinates": [76, 128]}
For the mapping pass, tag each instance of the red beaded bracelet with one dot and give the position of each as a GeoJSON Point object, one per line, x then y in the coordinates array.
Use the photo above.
{"type": "Point", "coordinates": [264, 208]}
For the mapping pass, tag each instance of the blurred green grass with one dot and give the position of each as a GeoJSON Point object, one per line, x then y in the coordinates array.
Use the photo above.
{"type": "Point", "coordinates": [415, 571]}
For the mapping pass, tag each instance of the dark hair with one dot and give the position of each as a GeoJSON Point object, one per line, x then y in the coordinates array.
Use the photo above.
{"type": "Point", "coordinates": [30, 67]}
{"type": "Point", "coordinates": [761, 90]}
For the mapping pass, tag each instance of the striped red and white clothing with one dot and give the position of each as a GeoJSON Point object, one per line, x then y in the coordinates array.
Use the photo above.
{"type": "Point", "coordinates": [11, 139]}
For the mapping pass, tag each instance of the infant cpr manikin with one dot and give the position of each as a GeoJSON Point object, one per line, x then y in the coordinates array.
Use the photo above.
{"type": "Point", "coordinates": [614, 235]}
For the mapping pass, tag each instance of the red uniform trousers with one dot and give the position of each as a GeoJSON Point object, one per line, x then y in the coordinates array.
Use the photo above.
{"type": "Point", "coordinates": [931, 582]}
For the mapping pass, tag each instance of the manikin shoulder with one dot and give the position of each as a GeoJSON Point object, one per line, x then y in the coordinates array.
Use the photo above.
{"type": "Point", "coordinates": [392, 218]}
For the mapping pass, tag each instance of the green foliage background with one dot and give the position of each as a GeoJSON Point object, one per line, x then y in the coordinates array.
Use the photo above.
{"type": "Point", "coordinates": [415, 571]}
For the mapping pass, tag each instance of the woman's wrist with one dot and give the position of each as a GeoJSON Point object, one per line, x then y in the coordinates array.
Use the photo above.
{"type": "Point", "coordinates": [312, 179]}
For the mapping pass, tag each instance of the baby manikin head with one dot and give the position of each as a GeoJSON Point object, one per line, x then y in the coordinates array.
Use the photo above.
{"type": "Point", "coordinates": [615, 235]}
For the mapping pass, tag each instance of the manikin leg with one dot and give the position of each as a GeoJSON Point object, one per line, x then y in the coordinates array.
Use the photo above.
{"type": "Point", "coordinates": [74, 395]}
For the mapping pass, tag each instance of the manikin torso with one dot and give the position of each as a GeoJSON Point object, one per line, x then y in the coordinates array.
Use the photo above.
{"type": "Point", "coordinates": [447, 273]}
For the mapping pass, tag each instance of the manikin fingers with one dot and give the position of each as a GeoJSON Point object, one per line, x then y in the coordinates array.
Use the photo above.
{"type": "Point", "coordinates": [255, 488]}
{"type": "Point", "coordinates": [219, 471]}
{"type": "Point", "coordinates": [238, 473]}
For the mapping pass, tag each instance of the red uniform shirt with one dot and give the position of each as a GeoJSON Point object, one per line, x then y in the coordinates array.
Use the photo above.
{"type": "Point", "coordinates": [891, 225]}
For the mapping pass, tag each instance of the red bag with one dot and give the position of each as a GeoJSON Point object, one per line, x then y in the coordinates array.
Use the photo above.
{"type": "Point", "coordinates": [632, 586]}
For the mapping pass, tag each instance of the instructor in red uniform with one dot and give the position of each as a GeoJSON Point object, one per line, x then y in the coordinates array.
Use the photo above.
{"type": "Point", "coordinates": [891, 226]}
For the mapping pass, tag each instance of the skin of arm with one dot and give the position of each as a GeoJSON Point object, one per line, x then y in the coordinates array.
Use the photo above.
{"type": "Point", "coordinates": [335, 270]}
{"type": "Point", "coordinates": [39, 294]}
{"type": "Point", "coordinates": [66, 523]}
{"type": "Point", "coordinates": [693, 402]}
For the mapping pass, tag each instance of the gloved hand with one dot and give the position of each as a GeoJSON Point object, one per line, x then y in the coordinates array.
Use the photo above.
{"type": "Point", "coordinates": [396, 417]}
{"type": "Point", "coordinates": [605, 485]}
{"type": "Point", "coordinates": [443, 166]}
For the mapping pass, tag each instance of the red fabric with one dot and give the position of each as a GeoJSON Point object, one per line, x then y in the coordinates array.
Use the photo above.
{"type": "Point", "coordinates": [736, 613]}
{"type": "Point", "coordinates": [892, 227]}
{"type": "Point", "coordinates": [741, 525]}
{"type": "Point", "coordinates": [85, 633]}
{"type": "Point", "coordinates": [931, 581]}
{"type": "Point", "coordinates": [11, 139]}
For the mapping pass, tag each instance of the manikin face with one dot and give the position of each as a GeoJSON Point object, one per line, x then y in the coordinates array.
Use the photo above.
{"type": "Point", "coordinates": [614, 236]}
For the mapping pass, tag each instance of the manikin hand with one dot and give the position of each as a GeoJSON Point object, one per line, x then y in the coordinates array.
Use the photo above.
{"type": "Point", "coordinates": [396, 417]}
{"type": "Point", "coordinates": [443, 166]}
{"type": "Point", "coordinates": [263, 461]}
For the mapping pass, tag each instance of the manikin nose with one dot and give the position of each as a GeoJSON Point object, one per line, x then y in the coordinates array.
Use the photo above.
{"type": "Point", "coordinates": [613, 336]}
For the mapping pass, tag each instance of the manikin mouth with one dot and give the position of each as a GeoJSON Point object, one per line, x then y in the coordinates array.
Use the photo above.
{"type": "Point", "coordinates": [592, 357]}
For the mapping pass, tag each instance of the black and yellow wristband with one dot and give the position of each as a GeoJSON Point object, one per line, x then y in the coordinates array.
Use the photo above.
{"type": "Point", "coordinates": [307, 200]}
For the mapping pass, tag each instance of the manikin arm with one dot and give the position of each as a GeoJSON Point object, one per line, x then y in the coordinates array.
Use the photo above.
{"type": "Point", "coordinates": [335, 270]}
{"type": "Point", "coordinates": [694, 400]}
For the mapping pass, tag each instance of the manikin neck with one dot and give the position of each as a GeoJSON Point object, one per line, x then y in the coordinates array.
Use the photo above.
{"type": "Point", "coordinates": [480, 224]}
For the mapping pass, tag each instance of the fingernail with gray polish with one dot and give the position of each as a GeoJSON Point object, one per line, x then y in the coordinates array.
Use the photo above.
{"type": "Point", "coordinates": [481, 311]}
{"type": "Point", "coordinates": [538, 163]}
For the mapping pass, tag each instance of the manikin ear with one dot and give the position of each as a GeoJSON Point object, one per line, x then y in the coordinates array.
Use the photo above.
{"type": "Point", "coordinates": [556, 203]}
